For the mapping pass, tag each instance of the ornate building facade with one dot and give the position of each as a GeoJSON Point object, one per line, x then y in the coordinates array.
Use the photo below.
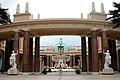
{"type": "Point", "coordinates": [23, 36]}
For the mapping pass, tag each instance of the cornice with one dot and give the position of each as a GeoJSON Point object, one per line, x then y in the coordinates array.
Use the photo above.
{"type": "Point", "coordinates": [58, 21]}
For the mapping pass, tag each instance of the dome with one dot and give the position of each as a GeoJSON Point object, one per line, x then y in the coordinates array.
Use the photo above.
{"type": "Point", "coordinates": [61, 43]}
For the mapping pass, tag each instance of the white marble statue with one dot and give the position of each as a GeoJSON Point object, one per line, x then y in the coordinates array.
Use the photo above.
{"type": "Point", "coordinates": [13, 60]}
{"type": "Point", "coordinates": [107, 60]}
{"type": "Point", "coordinates": [13, 70]}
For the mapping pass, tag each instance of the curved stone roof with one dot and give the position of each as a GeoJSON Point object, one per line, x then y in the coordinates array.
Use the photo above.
{"type": "Point", "coordinates": [64, 26]}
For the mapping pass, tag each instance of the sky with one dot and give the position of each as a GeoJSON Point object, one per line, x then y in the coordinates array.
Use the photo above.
{"type": "Point", "coordinates": [58, 9]}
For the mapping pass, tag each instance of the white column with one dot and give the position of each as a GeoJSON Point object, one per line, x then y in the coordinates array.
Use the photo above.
{"type": "Point", "coordinates": [93, 7]}
{"type": "Point", "coordinates": [27, 8]}
{"type": "Point", "coordinates": [18, 9]}
{"type": "Point", "coordinates": [81, 15]}
{"type": "Point", "coordinates": [38, 16]}
{"type": "Point", "coordinates": [102, 8]}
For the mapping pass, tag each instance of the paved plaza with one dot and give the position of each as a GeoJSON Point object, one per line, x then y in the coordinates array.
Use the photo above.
{"type": "Point", "coordinates": [56, 76]}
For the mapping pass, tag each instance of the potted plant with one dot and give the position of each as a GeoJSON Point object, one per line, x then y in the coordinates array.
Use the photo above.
{"type": "Point", "coordinates": [44, 71]}
{"type": "Point", "coordinates": [77, 70]}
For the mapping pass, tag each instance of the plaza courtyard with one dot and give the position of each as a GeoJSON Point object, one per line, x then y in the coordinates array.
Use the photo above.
{"type": "Point", "coordinates": [57, 76]}
{"type": "Point", "coordinates": [21, 52]}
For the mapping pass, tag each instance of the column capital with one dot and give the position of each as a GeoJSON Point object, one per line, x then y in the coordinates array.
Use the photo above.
{"type": "Point", "coordinates": [89, 36]}
{"type": "Point", "coordinates": [49, 55]}
{"type": "Point", "coordinates": [70, 54]}
{"type": "Point", "coordinates": [94, 29]}
{"type": "Point", "coordinates": [16, 30]}
{"type": "Point", "coordinates": [73, 54]}
{"type": "Point", "coordinates": [83, 35]}
{"type": "Point", "coordinates": [103, 29]}
{"type": "Point", "coordinates": [26, 29]}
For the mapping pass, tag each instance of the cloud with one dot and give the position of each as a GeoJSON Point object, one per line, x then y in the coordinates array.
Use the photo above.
{"type": "Point", "coordinates": [58, 8]}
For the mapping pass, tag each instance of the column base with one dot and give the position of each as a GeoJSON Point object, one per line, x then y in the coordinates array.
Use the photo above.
{"type": "Point", "coordinates": [36, 73]}
{"type": "Point", "coordinates": [26, 73]}
{"type": "Point", "coordinates": [116, 72]}
{"type": "Point", "coordinates": [89, 73]}
{"type": "Point", "coordinates": [95, 73]}
{"type": "Point", "coordinates": [12, 71]}
{"type": "Point", "coordinates": [30, 73]}
{"type": "Point", "coordinates": [108, 71]}
{"type": "Point", "coordinates": [84, 73]}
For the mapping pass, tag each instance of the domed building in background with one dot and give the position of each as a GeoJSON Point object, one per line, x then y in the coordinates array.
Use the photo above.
{"type": "Point", "coordinates": [62, 44]}
{"type": "Point", "coordinates": [61, 53]}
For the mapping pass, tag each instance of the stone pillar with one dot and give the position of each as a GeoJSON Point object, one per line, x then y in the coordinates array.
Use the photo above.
{"type": "Point", "coordinates": [104, 46]}
{"type": "Point", "coordinates": [83, 49]}
{"type": "Point", "coordinates": [26, 66]}
{"type": "Point", "coordinates": [0, 46]}
{"type": "Point", "coordinates": [95, 67]}
{"type": "Point", "coordinates": [3, 58]}
{"type": "Point", "coordinates": [70, 61]}
{"type": "Point", "coordinates": [110, 46]}
{"type": "Point", "coordinates": [7, 55]}
{"type": "Point", "coordinates": [74, 60]}
{"type": "Point", "coordinates": [37, 49]}
{"type": "Point", "coordinates": [51, 61]}
{"type": "Point", "coordinates": [41, 63]}
{"type": "Point", "coordinates": [1, 51]}
{"type": "Point", "coordinates": [113, 54]}
{"type": "Point", "coordinates": [45, 60]}
{"type": "Point", "coordinates": [31, 53]}
{"type": "Point", "coordinates": [48, 61]}
{"type": "Point", "coordinates": [119, 59]}
{"type": "Point", "coordinates": [16, 40]}
{"type": "Point", "coordinates": [110, 50]}
{"type": "Point", "coordinates": [90, 54]}
{"type": "Point", "coordinates": [16, 47]}
{"type": "Point", "coordinates": [8, 52]}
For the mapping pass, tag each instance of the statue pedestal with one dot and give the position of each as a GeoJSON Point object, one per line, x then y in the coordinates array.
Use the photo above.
{"type": "Point", "coordinates": [107, 71]}
{"type": "Point", "coordinates": [12, 71]}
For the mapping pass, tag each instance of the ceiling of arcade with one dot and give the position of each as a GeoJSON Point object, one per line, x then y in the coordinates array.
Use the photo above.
{"type": "Point", "coordinates": [57, 27]}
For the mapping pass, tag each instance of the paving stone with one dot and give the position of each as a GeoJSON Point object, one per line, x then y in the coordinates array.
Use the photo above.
{"type": "Point", "coordinates": [56, 76]}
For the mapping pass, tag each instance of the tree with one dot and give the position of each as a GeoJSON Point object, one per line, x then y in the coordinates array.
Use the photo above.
{"type": "Point", "coordinates": [4, 16]}
{"type": "Point", "coordinates": [115, 15]}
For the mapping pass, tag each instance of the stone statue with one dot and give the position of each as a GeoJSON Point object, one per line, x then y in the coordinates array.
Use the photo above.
{"type": "Point", "coordinates": [13, 60]}
{"type": "Point", "coordinates": [107, 60]}
{"type": "Point", "coordinates": [107, 70]}
{"type": "Point", "coordinates": [13, 70]}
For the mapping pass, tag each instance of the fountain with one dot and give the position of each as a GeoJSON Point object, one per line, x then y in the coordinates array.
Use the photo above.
{"type": "Point", "coordinates": [60, 61]}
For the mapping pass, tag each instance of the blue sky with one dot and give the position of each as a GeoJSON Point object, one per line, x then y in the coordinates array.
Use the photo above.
{"type": "Point", "coordinates": [53, 40]}
{"type": "Point", "coordinates": [58, 9]}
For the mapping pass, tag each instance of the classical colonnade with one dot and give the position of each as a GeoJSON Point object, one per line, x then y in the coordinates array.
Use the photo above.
{"type": "Point", "coordinates": [30, 65]}
{"type": "Point", "coordinates": [93, 27]}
